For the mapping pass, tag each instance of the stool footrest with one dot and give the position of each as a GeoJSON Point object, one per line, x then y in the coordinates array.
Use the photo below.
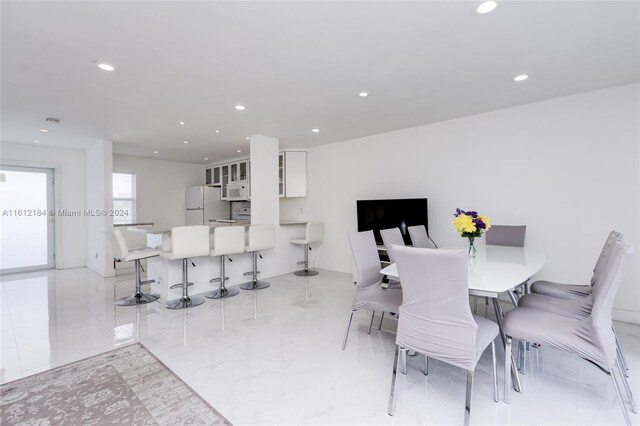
{"type": "Point", "coordinates": [217, 280]}
{"type": "Point", "coordinates": [302, 262]}
{"type": "Point", "coordinates": [179, 285]}
{"type": "Point", "coordinates": [147, 282]}
{"type": "Point", "coordinates": [248, 274]}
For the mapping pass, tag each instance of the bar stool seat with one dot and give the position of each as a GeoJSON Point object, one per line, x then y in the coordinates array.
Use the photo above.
{"type": "Point", "coordinates": [226, 240]}
{"type": "Point", "coordinates": [122, 253]}
{"type": "Point", "coordinates": [314, 233]}
{"type": "Point", "coordinates": [187, 242]}
{"type": "Point", "coordinates": [260, 237]}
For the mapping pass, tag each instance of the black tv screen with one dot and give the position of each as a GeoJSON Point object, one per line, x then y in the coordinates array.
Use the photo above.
{"type": "Point", "coordinates": [400, 213]}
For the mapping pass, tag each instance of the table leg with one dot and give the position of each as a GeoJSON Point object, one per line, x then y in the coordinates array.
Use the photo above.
{"type": "Point", "coordinates": [499, 317]}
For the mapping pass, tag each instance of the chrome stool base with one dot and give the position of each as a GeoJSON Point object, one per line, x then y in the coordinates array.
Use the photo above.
{"type": "Point", "coordinates": [137, 299]}
{"type": "Point", "coordinates": [222, 293]}
{"type": "Point", "coordinates": [184, 302]}
{"type": "Point", "coordinates": [254, 285]}
{"type": "Point", "coordinates": [306, 273]}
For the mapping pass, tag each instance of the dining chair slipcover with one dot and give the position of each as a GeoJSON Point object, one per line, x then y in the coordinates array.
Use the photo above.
{"type": "Point", "coordinates": [506, 235]}
{"type": "Point", "coordinates": [591, 338]}
{"type": "Point", "coordinates": [435, 318]}
{"type": "Point", "coordinates": [390, 237]}
{"type": "Point", "coordinates": [576, 291]}
{"type": "Point", "coordinates": [370, 296]}
{"type": "Point", "coordinates": [419, 237]}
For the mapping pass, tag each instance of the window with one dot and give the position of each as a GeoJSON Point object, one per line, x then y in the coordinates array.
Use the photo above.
{"type": "Point", "coordinates": [124, 198]}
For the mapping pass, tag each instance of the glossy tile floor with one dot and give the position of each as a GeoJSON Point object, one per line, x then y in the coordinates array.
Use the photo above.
{"type": "Point", "coordinates": [273, 356]}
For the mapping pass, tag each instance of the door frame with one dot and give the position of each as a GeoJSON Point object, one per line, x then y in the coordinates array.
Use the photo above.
{"type": "Point", "coordinates": [51, 218]}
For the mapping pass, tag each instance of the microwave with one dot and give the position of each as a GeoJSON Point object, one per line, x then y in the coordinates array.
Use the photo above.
{"type": "Point", "coordinates": [238, 191]}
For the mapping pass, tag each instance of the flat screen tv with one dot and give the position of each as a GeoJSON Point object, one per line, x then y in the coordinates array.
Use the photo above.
{"type": "Point", "coordinates": [399, 213]}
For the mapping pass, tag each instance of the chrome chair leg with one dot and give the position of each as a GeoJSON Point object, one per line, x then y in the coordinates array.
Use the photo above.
{"type": "Point", "coordinates": [381, 318]}
{"type": "Point", "coordinates": [185, 301]}
{"type": "Point", "coordinates": [346, 334]}
{"type": "Point", "coordinates": [495, 371]}
{"type": "Point", "coordinates": [394, 378]}
{"type": "Point", "coordinates": [619, 394]}
{"type": "Point", "coordinates": [373, 314]}
{"type": "Point", "coordinates": [223, 292]}
{"type": "Point", "coordinates": [426, 365]}
{"type": "Point", "coordinates": [467, 404]}
{"type": "Point", "coordinates": [254, 284]}
{"type": "Point", "coordinates": [138, 297]}
{"type": "Point", "coordinates": [627, 388]}
{"type": "Point", "coordinates": [403, 354]}
{"type": "Point", "coordinates": [306, 272]}
{"type": "Point", "coordinates": [507, 370]}
{"type": "Point", "coordinates": [623, 359]}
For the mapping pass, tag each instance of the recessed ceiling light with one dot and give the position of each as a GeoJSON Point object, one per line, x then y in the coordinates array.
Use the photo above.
{"type": "Point", "coordinates": [185, 141]}
{"type": "Point", "coordinates": [44, 130]}
{"type": "Point", "coordinates": [315, 130]}
{"type": "Point", "coordinates": [240, 107]}
{"type": "Point", "coordinates": [206, 158]}
{"type": "Point", "coordinates": [181, 123]}
{"type": "Point", "coordinates": [486, 7]}
{"type": "Point", "coordinates": [217, 131]}
{"type": "Point", "coordinates": [155, 152]}
{"type": "Point", "coordinates": [247, 138]}
{"type": "Point", "coordinates": [105, 66]}
{"type": "Point", "coordinates": [238, 151]}
{"type": "Point", "coordinates": [36, 141]}
{"type": "Point", "coordinates": [521, 77]}
{"type": "Point", "coordinates": [363, 94]}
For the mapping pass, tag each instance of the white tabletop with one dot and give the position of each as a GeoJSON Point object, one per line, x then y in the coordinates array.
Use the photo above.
{"type": "Point", "coordinates": [495, 269]}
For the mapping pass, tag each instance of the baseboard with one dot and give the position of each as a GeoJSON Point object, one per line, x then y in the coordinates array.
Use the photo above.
{"type": "Point", "coordinates": [626, 316]}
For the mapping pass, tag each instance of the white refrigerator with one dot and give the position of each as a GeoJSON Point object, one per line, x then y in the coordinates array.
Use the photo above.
{"type": "Point", "coordinates": [204, 203]}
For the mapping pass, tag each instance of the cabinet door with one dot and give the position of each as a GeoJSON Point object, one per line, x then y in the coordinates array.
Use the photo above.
{"type": "Point", "coordinates": [225, 181]}
{"type": "Point", "coordinates": [295, 174]}
{"type": "Point", "coordinates": [216, 181]}
{"type": "Point", "coordinates": [242, 170]}
{"type": "Point", "coordinates": [207, 177]}
{"type": "Point", "coordinates": [233, 171]}
{"type": "Point", "coordinates": [281, 187]}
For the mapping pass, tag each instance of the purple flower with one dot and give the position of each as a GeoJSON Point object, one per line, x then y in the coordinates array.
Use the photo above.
{"type": "Point", "coordinates": [479, 223]}
{"type": "Point", "coordinates": [472, 214]}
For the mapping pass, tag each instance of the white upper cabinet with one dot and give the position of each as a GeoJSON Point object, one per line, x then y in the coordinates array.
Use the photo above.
{"type": "Point", "coordinates": [292, 174]}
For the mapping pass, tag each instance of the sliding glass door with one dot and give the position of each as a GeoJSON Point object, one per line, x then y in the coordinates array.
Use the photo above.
{"type": "Point", "coordinates": [27, 219]}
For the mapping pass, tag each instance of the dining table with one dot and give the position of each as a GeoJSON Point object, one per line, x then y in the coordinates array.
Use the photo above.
{"type": "Point", "coordinates": [495, 271]}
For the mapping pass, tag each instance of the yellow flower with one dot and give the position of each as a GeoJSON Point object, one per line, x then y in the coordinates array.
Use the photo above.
{"type": "Point", "coordinates": [485, 219]}
{"type": "Point", "coordinates": [463, 223]}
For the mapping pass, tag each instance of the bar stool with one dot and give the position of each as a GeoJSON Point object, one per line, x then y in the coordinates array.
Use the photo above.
{"type": "Point", "coordinates": [313, 234]}
{"type": "Point", "coordinates": [187, 242]}
{"type": "Point", "coordinates": [122, 253]}
{"type": "Point", "coordinates": [226, 240]}
{"type": "Point", "coordinates": [261, 237]}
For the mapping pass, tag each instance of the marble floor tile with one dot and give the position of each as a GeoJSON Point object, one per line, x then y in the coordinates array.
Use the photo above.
{"type": "Point", "coordinates": [273, 357]}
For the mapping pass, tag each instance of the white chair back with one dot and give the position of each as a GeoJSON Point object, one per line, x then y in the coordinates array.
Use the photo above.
{"type": "Point", "coordinates": [506, 235]}
{"type": "Point", "coordinates": [390, 237]}
{"type": "Point", "coordinates": [435, 318]}
{"type": "Point", "coordinates": [314, 232]}
{"type": "Point", "coordinates": [118, 243]}
{"type": "Point", "coordinates": [419, 237]}
{"type": "Point", "coordinates": [365, 255]}
{"type": "Point", "coordinates": [189, 241]}
{"type": "Point", "coordinates": [228, 240]}
{"type": "Point", "coordinates": [261, 237]}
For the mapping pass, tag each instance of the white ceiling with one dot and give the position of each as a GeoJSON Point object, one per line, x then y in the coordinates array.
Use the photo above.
{"type": "Point", "coordinates": [295, 65]}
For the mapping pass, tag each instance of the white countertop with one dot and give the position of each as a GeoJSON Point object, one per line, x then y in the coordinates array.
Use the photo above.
{"type": "Point", "coordinates": [212, 226]}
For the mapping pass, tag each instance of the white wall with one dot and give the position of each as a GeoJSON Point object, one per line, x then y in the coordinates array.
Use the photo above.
{"type": "Point", "coordinates": [160, 187]}
{"type": "Point", "coordinates": [70, 194]}
{"type": "Point", "coordinates": [568, 168]}
{"type": "Point", "coordinates": [99, 198]}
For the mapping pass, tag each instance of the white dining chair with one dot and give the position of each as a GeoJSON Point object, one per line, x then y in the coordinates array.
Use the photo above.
{"type": "Point", "coordinates": [435, 319]}
{"type": "Point", "coordinates": [420, 237]}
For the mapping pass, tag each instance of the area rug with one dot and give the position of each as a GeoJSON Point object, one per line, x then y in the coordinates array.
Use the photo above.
{"type": "Point", "coordinates": [127, 386]}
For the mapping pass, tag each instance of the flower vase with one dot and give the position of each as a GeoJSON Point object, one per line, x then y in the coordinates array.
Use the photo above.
{"type": "Point", "coordinates": [472, 248]}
